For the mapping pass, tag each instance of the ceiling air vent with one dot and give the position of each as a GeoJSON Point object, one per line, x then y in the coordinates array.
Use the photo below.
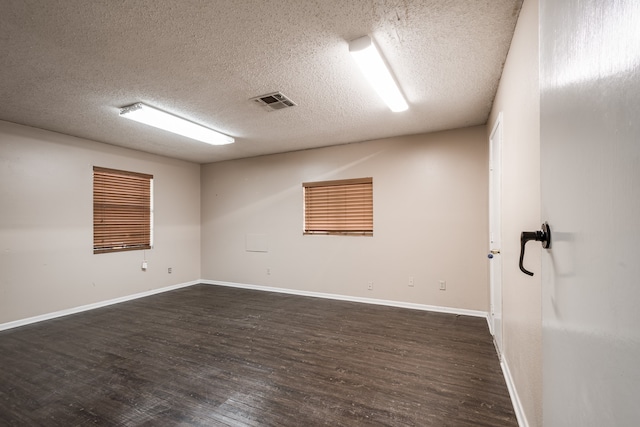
{"type": "Point", "coordinates": [273, 101]}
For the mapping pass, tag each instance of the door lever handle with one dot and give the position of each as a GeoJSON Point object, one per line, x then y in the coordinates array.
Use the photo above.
{"type": "Point", "coordinates": [543, 236]}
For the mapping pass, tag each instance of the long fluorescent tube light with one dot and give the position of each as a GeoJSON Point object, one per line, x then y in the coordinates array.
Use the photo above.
{"type": "Point", "coordinates": [153, 117]}
{"type": "Point", "coordinates": [376, 72]}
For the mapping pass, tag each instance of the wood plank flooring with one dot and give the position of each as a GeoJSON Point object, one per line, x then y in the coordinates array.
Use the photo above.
{"type": "Point", "coordinates": [214, 356]}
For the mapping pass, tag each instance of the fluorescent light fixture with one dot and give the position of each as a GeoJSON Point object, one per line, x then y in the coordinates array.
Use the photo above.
{"type": "Point", "coordinates": [374, 69]}
{"type": "Point", "coordinates": [153, 117]}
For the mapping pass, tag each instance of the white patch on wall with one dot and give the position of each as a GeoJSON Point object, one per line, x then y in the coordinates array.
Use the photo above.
{"type": "Point", "coordinates": [256, 243]}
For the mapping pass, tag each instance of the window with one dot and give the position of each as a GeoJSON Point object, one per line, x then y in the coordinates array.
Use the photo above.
{"type": "Point", "coordinates": [339, 207]}
{"type": "Point", "coordinates": [122, 213]}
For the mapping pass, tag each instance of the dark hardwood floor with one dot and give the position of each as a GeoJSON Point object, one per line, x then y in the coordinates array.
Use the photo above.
{"type": "Point", "coordinates": [215, 356]}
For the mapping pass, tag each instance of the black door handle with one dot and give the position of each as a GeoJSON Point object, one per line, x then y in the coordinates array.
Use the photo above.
{"type": "Point", "coordinates": [543, 236]}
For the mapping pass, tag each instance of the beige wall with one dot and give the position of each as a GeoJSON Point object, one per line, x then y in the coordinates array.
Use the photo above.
{"type": "Point", "coordinates": [430, 220]}
{"type": "Point", "coordinates": [430, 197]}
{"type": "Point", "coordinates": [518, 98]}
{"type": "Point", "coordinates": [46, 236]}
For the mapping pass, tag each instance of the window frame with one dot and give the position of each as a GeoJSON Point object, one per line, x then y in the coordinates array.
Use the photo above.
{"type": "Point", "coordinates": [122, 210]}
{"type": "Point", "coordinates": [322, 203]}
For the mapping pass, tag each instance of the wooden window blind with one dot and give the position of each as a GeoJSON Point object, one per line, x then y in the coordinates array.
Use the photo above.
{"type": "Point", "coordinates": [339, 207]}
{"type": "Point", "coordinates": [121, 210]}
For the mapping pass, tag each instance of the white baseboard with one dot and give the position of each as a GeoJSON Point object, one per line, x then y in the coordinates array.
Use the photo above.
{"type": "Point", "coordinates": [391, 303]}
{"type": "Point", "coordinates": [515, 399]}
{"type": "Point", "coordinates": [74, 310]}
{"type": "Point", "coordinates": [513, 393]}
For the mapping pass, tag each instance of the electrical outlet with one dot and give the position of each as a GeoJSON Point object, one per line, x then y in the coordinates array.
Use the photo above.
{"type": "Point", "coordinates": [443, 285]}
{"type": "Point", "coordinates": [169, 270]}
{"type": "Point", "coordinates": [268, 271]}
{"type": "Point", "coordinates": [370, 286]}
{"type": "Point", "coordinates": [411, 281]}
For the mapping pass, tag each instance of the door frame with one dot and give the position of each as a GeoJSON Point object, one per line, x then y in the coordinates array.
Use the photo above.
{"type": "Point", "coordinates": [495, 233]}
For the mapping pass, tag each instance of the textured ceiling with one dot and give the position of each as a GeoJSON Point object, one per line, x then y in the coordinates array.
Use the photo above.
{"type": "Point", "coordinates": [68, 65]}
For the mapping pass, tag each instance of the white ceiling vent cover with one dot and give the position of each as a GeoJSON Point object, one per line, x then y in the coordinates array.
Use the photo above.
{"type": "Point", "coordinates": [274, 101]}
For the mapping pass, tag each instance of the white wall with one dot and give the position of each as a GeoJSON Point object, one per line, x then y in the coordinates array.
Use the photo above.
{"type": "Point", "coordinates": [518, 97]}
{"type": "Point", "coordinates": [46, 230]}
{"type": "Point", "coordinates": [430, 220]}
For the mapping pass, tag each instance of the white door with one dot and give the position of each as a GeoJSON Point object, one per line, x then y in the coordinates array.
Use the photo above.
{"type": "Point", "coordinates": [590, 173]}
{"type": "Point", "coordinates": [495, 261]}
